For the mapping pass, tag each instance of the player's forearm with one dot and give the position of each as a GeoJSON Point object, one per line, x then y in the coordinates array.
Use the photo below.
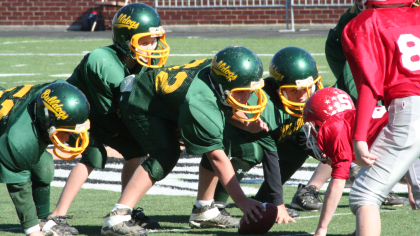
{"type": "Point", "coordinates": [365, 105]}
{"type": "Point", "coordinates": [332, 198]}
{"type": "Point", "coordinates": [224, 170]}
{"type": "Point", "coordinates": [233, 120]}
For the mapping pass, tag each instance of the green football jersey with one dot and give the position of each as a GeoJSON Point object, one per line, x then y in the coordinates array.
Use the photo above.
{"type": "Point", "coordinates": [98, 76]}
{"type": "Point", "coordinates": [335, 54]}
{"type": "Point", "coordinates": [20, 141]}
{"type": "Point", "coordinates": [281, 126]}
{"type": "Point", "coordinates": [202, 116]}
{"type": "Point", "coordinates": [162, 91]}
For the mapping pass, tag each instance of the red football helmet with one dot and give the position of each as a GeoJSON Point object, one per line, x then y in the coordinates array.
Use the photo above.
{"type": "Point", "coordinates": [323, 104]}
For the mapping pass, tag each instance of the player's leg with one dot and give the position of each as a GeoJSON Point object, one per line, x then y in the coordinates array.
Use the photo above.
{"type": "Point", "coordinates": [93, 157]}
{"type": "Point", "coordinates": [397, 148]}
{"type": "Point", "coordinates": [413, 179]}
{"type": "Point", "coordinates": [204, 213]}
{"type": "Point", "coordinates": [41, 176]}
{"type": "Point", "coordinates": [21, 194]}
{"type": "Point", "coordinates": [158, 137]}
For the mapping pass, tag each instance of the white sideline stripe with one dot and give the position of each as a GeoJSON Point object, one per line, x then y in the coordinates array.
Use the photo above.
{"type": "Point", "coordinates": [6, 75]}
{"type": "Point", "coordinates": [61, 76]}
{"type": "Point", "coordinates": [189, 179]}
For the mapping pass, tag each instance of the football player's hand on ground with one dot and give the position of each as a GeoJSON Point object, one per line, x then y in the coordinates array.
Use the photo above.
{"type": "Point", "coordinates": [320, 232]}
{"type": "Point", "coordinates": [256, 126]}
{"type": "Point", "coordinates": [283, 216]}
{"type": "Point", "coordinates": [251, 209]}
{"type": "Point", "coordinates": [362, 154]}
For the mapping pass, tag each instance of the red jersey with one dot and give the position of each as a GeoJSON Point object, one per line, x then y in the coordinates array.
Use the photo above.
{"type": "Point", "coordinates": [382, 47]}
{"type": "Point", "coordinates": [335, 138]}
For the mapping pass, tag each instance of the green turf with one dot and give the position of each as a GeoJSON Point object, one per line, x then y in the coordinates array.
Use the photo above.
{"type": "Point", "coordinates": [90, 207]}
{"type": "Point", "coordinates": [45, 58]}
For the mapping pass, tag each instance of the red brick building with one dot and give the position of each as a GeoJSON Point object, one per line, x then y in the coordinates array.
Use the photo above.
{"type": "Point", "coordinates": [71, 13]}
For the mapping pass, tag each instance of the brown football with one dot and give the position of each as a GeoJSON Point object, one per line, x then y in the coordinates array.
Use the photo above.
{"type": "Point", "coordinates": [263, 225]}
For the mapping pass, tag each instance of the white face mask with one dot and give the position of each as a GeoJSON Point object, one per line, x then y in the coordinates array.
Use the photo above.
{"type": "Point", "coordinates": [311, 142]}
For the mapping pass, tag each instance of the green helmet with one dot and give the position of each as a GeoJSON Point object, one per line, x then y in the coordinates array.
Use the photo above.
{"type": "Point", "coordinates": [237, 68]}
{"type": "Point", "coordinates": [130, 24]}
{"type": "Point", "coordinates": [63, 107]}
{"type": "Point", "coordinates": [293, 67]}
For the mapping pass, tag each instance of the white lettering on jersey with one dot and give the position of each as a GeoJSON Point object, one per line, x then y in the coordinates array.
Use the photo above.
{"type": "Point", "coordinates": [378, 112]}
{"type": "Point", "coordinates": [409, 46]}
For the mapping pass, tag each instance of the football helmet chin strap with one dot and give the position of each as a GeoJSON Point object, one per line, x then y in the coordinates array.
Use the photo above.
{"type": "Point", "coordinates": [308, 84]}
{"type": "Point", "coordinates": [311, 142]}
{"type": "Point", "coordinates": [81, 144]}
{"type": "Point", "coordinates": [227, 99]}
{"type": "Point", "coordinates": [144, 54]}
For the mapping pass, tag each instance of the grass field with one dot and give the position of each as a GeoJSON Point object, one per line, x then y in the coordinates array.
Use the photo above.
{"type": "Point", "coordinates": [29, 61]}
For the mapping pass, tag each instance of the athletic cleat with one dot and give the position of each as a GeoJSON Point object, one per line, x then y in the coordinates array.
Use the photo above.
{"type": "Point", "coordinates": [292, 212]}
{"type": "Point", "coordinates": [220, 205]}
{"type": "Point", "coordinates": [128, 227]}
{"type": "Point", "coordinates": [61, 224]}
{"type": "Point", "coordinates": [142, 220]}
{"type": "Point", "coordinates": [306, 198]}
{"type": "Point", "coordinates": [211, 217]}
{"type": "Point", "coordinates": [394, 200]}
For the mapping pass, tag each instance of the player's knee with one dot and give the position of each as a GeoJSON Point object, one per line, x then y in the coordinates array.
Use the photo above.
{"type": "Point", "coordinates": [159, 168]}
{"type": "Point", "coordinates": [356, 201]}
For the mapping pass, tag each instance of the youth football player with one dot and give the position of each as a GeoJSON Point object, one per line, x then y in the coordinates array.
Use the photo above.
{"type": "Point", "coordinates": [329, 117]}
{"type": "Point", "coordinates": [293, 79]}
{"type": "Point", "coordinates": [138, 46]}
{"type": "Point", "coordinates": [380, 46]}
{"type": "Point", "coordinates": [198, 98]}
{"type": "Point", "coordinates": [32, 117]}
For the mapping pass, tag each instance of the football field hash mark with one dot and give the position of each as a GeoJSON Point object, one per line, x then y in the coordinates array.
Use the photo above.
{"type": "Point", "coordinates": [183, 180]}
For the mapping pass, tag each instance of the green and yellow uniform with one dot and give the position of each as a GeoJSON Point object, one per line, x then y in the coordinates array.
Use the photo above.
{"type": "Point", "coordinates": [292, 69]}
{"type": "Point", "coordinates": [98, 76]}
{"type": "Point", "coordinates": [248, 149]}
{"type": "Point", "coordinates": [25, 165]}
{"type": "Point", "coordinates": [150, 108]}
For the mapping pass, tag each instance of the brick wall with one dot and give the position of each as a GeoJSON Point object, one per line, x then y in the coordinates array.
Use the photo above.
{"type": "Point", "coordinates": [71, 12]}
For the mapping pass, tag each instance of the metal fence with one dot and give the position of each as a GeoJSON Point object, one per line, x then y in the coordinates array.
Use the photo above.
{"type": "Point", "coordinates": [289, 5]}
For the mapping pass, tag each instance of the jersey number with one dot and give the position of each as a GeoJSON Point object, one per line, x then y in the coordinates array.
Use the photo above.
{"type": "Point", "coordinates": [409, 46]}
{"type": "Point", "coordinates": [8, 104]}
{"type": "Point", "coordinates": [162, 77]}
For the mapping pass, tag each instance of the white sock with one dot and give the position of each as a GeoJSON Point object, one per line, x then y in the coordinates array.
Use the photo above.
{"type": "Point", "coordinates": [201, 203]}
{"type": "Point", "coordinates": [121, 206]}
{"type": "Point", "coordinates": [114, 220]}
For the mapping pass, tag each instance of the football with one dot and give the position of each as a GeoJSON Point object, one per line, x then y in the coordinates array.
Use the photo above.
{"type": "Point", "coordinates": [263, 225]}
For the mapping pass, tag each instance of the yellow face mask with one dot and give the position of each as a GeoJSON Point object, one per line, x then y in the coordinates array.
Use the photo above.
{"type": "Point", "coordinates": [308, 84]}
{"type": "Point", "coordinates": [257, 109]}
{"type": "Point", "coordinates": [162, 53]}
{"type": "Point", "coordinates": [81, 144]}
